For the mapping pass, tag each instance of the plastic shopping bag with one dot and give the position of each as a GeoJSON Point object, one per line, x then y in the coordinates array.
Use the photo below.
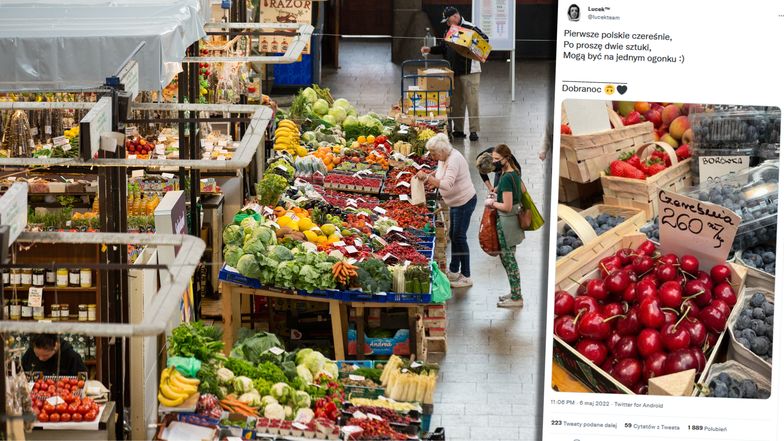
{"type": "Point", "coordinates": [187, 366]}
{"type": "Point", "coordinates": [442, 290]}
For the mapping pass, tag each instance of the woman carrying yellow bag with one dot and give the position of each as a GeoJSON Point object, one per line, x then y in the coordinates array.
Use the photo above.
{"type": "Point", "coordinates": [510, 201]}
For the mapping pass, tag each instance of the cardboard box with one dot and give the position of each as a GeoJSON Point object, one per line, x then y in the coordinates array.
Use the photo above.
{"type": "Point", "coordinates": [416, 97]}
{"type": "Point", "coordinates": [436, 79]}
{"type": "Point", "coordinates": [468, 43]}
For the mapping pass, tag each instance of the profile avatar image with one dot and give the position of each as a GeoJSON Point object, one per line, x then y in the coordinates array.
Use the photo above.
{"type": "Point", "coordinates": [609, 89]}
{"type": "Point", "coordinates": [574, 13]}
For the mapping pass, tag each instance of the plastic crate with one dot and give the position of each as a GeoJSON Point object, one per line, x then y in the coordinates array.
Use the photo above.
{"type": "Point", "coordinates": [404, 297]}
{"type": "Point", "coordinates": [229, 274]}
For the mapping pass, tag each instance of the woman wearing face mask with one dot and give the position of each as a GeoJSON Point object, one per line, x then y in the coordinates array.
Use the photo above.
{"type": "Point", "coordinates": [509, 193]}
{"type": "Point", "coordinates": [485, 165]}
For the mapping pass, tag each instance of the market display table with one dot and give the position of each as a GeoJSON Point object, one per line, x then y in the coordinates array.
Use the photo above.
{"type": "Point", "coordinates": [105, 429]}
{"type": "Point", "coordinates": [338, 310]}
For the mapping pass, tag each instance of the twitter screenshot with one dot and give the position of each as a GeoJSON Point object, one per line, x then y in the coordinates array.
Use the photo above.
{"type": "Point", "coordinates": [663, 241]}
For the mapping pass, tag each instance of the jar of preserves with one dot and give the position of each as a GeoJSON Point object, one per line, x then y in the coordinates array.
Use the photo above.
{"type": "Point", "coordinates": [38, 313]}
{"type": "Point", "coordinates": [62, 278]}
{"type": "Point", "coordinates": [27, 277]}
{"type": "Point", "coordinates": [15, 310]}
{"type": "Point", "coordinates": [27, 311]}
{"type": "Point", "coordinates": [39, 277]}
{"type": "Point", "coordinates": [91, 313]}
{"type": "Point", "coordinates": [73, 277]}
{"type": "Point", "coordinates": [16, 277]}
{"type": "Point", "coordinates": [6, 278]}
{"type": "Point", "coordinates": [86, 277]}
{"type": "Point", "coordinates": [55, 312]}
{"type": "Point", "coordinates": [65, 313]}
{"type": "Point", "coordinates": [51, 277]}
{"type": "Point", "coordinates": [82, 313]}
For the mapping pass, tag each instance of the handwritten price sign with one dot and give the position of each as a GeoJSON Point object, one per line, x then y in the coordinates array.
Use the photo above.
{"type": "Point", "coordinates": [702, 229]}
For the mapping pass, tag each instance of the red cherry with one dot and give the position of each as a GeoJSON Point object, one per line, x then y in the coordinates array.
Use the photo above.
{"type": "Point", "coordinates": [713, 318]}
{"type": "Point", "coordinates": [564, 303]}
{"type": "Point", "coordinates": [642, 264]}
{"type": "Point", "coordinates": [630, 293]}
{"type": "Point", "coordinates": [593, 325]}
{"type": "Point", "coordinates": [646, 289]}
{"type": "Point", "coordinates": [613, 339]}
{"type": "Point", "coordinates": [566, 329]}
{"type": "Point", "coordinates": [596, 288]}
{"type": "Point", "coordinates": [626, 255]}
{"type": "Point", "coordinates": [713, 338]}
{"type": "Point", "coordinates": [697, 289]}
{"type": "Point", "coordinates": [649, 341]}
{"type": "Point", "coordinates": [608, 364]}
{"type": "Point", "coordinates": [593, 350]}
{"type": "Point", "coordinates": [690, 308]}
{"type": "Point", "coordinates": [698, 333]}
{"type": "Point", "coordinates": [666, 272]}
{"type": "Point", "coordinates": [705, 278]}
{"type": "Point", "coordinates": [670, 258]}
{"type": "Point", "coordinates": [651, 278]}
{"type": "Point", "coordinates": [671, 294]}
{"type": "Point", "coordinates": [720, 273]}
{"type": "Point", "coordinates": [640, 389]}
{"type": "Point", "coordinates": [676, 337]}
{"type": "Point", "coordinates": [690, 264]}
{"type": "Point", "coordinates": [616, 282]}
{"type": "Point", "coordinates": [722, 306]}
{"type": "Point", "coordinates": [647, 248]}
{"type": "Point", "coordinates": [670, 317]}
{"type": "Point", "coordinates": [585, 303]}
{"type": "Point", "coordinates": [651, 315]}
{"type": "Point", "coordinates": [612, 309]}
{"type": "Point", "coordinates": [625, 347]}
{"type": "Point", "coordinates": [680, 361]}
{"type": "Point", "coordinates": [609, 264]}
{"type": "Point", "coordinates": [653, 366]}
{"type": "Point", "coordinates": [628, 371]}
{"type": "Point", "coordinates": [629, 324]}
{"type": "Point", "coordinates": [700, 357]}
{"type": "Point", "coordinates": [724, 291]}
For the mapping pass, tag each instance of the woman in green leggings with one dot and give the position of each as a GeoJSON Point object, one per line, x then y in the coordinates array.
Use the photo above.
{"type": "Point", "coordinates": [507, 201]}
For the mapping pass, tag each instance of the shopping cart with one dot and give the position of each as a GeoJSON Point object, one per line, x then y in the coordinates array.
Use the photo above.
{"type": "Point", "coordinates": [426, 94]}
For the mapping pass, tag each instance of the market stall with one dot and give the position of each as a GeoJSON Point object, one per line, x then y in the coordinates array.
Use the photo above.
{"type": "Point", "coordinates": [680, 301]}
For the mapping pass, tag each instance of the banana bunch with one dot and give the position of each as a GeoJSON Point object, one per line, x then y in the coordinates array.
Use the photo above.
{"type": "Point", "coordinates": [175, 388]}
{"type": "Point", "coordinates": [426, 134]}
{"type": "Point", "coordinates": [287, 137]}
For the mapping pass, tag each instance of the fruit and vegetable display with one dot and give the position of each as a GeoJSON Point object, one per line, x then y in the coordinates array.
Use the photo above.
{"type": "Point", "coordinates": [568, 241]}
{"type": "Point", "coordinates": [296, 393]}
{"type": "Point", "coordinates": [647, 314]}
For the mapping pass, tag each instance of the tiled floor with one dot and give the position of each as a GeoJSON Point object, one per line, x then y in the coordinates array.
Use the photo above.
{"type": "Point", "coordinates": [490, 383]}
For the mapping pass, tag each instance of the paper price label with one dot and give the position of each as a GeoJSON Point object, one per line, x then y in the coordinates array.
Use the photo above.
{"type": "Point", "coordinates": [403, 244]}
{"type": "Point", "coordinates": [161, 138]}
{"type": "Point", "coordinates": [137, 174]}
{"type": "Point", "coordinates": [358, 242]}
{"type": "Point", "coordinates": [386, 256]}
{"type": "Point", "coordinates": [60, 140]}
{"type": "Point", "coordinates": [702, 229]}
{"type": "Point", "coordinates": [160, 149]}
{"type": "Point", "coordinates": [404, 197]}
{"type": "Point", "coordinates": [415, 365]}
{"type": "Point", "coordinates": [299, 426]}
{"type": "Point", "coordinates": [167, 176]}
{"type": "Point", "coordinates": [402, 173]}
{"type": "Point", "coordinates": [380, 210]}
{"type": "Point", "coordinates": [339, 243]}
{"type": "Point", "coordinates": [131, 156]}
{"type": "Point", "coordinates": [717, 167]}
{"type": "Point", "coordinates": [48, 130]}
{"type": "Point", "coordinates": [66, 147]}
{"type": "Point", "coordinates": [282, 168]}
{"type": "Point", "coordinates": [379, 239]}
{"type": "Point", "coordinates": [34, 131]}
{"type": "Point", "coordinates": [351, 202]}
{"type": "Point", "coordinates": [359, 415]}
{"type": "Point", "coordinates": [130, 131]}
{"type": "Point", "coordinates": [268, 210]}
{"type": "Point", "coordinates": [54, 401]}
{"type": "Point", "coordinates": [398, 229]}
{"type": "Point", "coordinates": [362, 213]}
{"type": "Point", "coordinates": [276, 350]}
{"type": "Point", "coordinates": [373, 416]}
{"type": "Point", "coordinates": [351, 249]}
{"type": "Point", "coordinates": [356, 378]}
{"type": "Point", "coordinates": [403, 184]}
{"type": "Point", "coordinates": [35, 297]}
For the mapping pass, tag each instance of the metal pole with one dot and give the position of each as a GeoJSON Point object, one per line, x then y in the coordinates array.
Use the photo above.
{"type": "Point", "coordinates": [194, 173]}
{"type": "Point", "coordinates": [512, 74]}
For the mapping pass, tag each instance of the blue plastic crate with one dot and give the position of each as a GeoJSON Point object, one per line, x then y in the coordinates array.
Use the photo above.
{"type": "Point", "coordinates": [228, 274]}
{"type": "Point", "coordinates": [358, 363]}
{"type": "Point", "coordinates": [406, 297]}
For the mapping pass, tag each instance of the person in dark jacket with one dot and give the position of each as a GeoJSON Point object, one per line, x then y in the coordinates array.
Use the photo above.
{"type": "Point", "coordinates": [485, 165]}
{"type": "Point", "coordinates": [51, 356]}
{"type": "Point", "coordinates": [466, 73]}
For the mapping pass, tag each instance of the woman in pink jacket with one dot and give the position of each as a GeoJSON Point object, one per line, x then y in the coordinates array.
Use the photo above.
{"type": "Point", "coordinates": [453, 180]}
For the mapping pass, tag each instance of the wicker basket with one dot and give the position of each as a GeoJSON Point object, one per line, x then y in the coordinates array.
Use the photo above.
{"type": "Point", "coordinates": [584, 266]}
{"type": "Point", "coordinates": [584, 157]}
{"type": "Point", "coordinates": [634, 220]}
{"type": "Point", "coordinates": [641, 193]}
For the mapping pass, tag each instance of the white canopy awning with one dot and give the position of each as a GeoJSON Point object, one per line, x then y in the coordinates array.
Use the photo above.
{"type": "Point", "coordinates": [76, 44]}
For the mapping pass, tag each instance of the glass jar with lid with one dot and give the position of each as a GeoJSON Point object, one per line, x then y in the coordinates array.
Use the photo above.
{"type": "Point", "coordinates": [39, 277]}
{"type": "Point", "coordinates": [62, 278]}
{"type": "Point", "coordinates": [27, 311]}
{"type": "Point", "coordinates": [86, 277]}
{"type": "Point", "coordinates": [51, 276]}
{"type": "Point", "coordinates": [26, 277]}
{"type": "Point", "coordinates": [74, 277]}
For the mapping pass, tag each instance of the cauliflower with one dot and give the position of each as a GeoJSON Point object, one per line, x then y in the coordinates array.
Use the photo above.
{"type": "Point", "coordinates": [274, 411]}
{"type": "Point", "coordinates": [243, 384]}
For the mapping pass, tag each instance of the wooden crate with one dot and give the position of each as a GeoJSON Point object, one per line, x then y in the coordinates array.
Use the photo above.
{"type": "Point", "coordinates": [584, 266]}
{"type": "Point", "coordinates": [642, 194]}
{"type": "Point", "coordinates": [635, 218]}
{"type": "Point", "coordinates": [436, 344]}
{"type": "Point", "coordinates": [584, 157]}
{"type": "Point", "coordinates": [575, 193]}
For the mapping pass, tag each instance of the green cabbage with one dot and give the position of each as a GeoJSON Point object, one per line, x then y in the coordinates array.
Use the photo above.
{"type": "Point", "coordinates": [314, 362]}
{"type": "Point", "coordinates": [310, 95]}
{"type": "Point", "coordinates": [302, 354]}
{"type": "Point", "coordinates": [265, 235]}
{"type": "Point", "coordinates": [233, 235]}
{"type": "Point", "coordinates": [231, 254]}
{"type": "Point", "coordinates": [342, 103]}
{"type": "Point", "coordinates": [304, 373]}
{"type": "Point", "coordinates": [248, 224]}
{"type": "Point", "coordinates": [331, 369]}
{"type": "Point", "coordinates": [248, 267]}
{"type": "Point", "coordinates": [281, 253]}
{"type": "Point", "coordinates": [321, 107]}
{"type": "Point", "coordinates": [254, 246]}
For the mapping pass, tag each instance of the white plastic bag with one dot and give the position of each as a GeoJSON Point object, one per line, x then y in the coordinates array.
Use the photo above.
{"type": "Point", "coordinates": [417, 191]}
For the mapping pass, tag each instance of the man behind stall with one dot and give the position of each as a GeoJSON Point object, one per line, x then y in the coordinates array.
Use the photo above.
{"type": "Point", "coordinates": [51, 356]}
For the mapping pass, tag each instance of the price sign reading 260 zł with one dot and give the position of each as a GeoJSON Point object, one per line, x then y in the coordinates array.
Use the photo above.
{"type": "Point", "coordinates": [702, 229]}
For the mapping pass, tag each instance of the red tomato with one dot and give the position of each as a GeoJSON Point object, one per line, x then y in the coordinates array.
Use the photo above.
{"type": "Point", "coordinates": [48, 408]}
{"type": "Point", "coordinates": [83, 409]}
{"type": "Point", "coordinates": [90, 416]}
{"type": "Point", "coordinates": [73, 408]}
{"type": "Point", "coordinates": [55, 417]}
{"type": "Point", "coordinates": [80, 383]}
{"type": "Point", "coordinates": [77, 417]}
{"type": "Point", "coordinates": [36, 387]}
{"type": "Point", "coordinates": [43, 417]}
{"type": "Point", "coordinates": [73, 381]}
{"type": "Point", "coordinates": [51, 389]}
{"type": "Point", "coordinates": [62, 407]}
{"type": "Point", "coordinates": [50, 381]}
{"type": "Point", "coordinates": [66, 417]}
